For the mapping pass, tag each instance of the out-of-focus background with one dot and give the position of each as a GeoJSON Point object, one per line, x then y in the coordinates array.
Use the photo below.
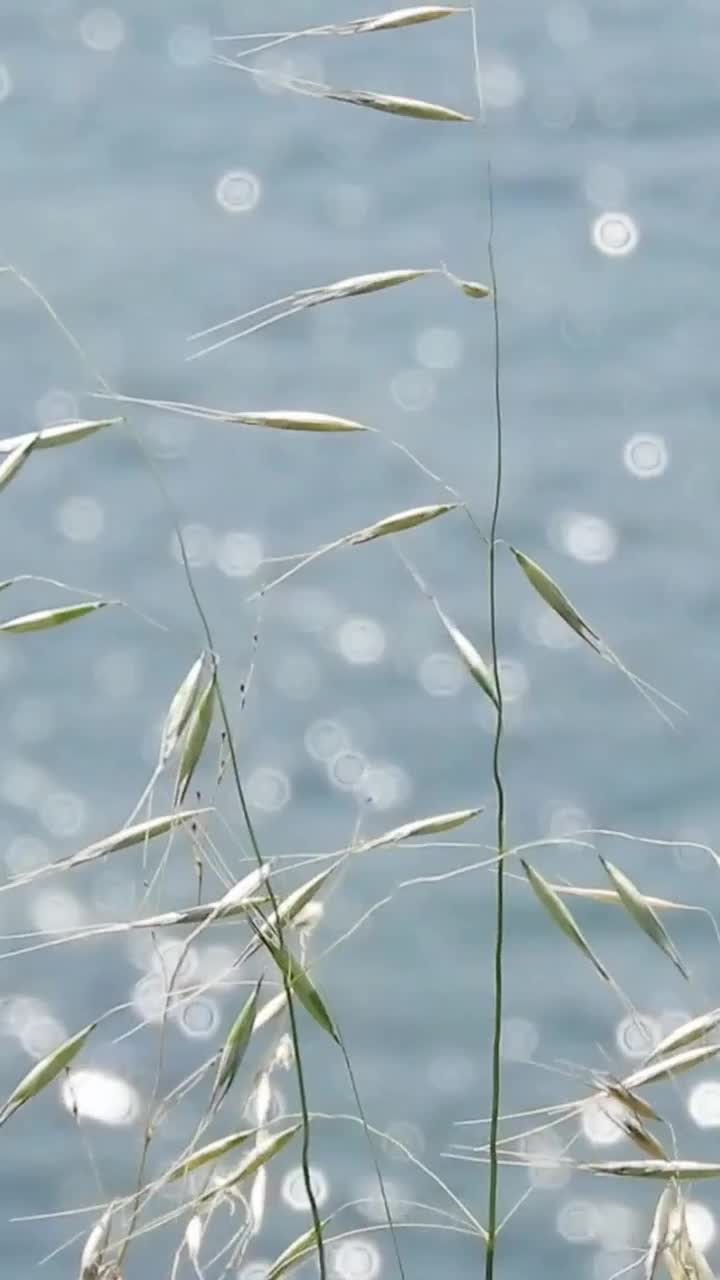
{"type": "Point", "coordinates": [151, 193]}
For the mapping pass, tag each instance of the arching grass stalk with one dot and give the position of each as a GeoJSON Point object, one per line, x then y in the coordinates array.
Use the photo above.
{"type": "Point", "coordinates": [292, 1013]}
{"type": "Point", "coordinates": [496, 1066]}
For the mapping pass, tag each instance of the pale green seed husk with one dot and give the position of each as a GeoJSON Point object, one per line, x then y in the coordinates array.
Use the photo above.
{"type": "Point", "coordinates": [276, 419]}
{"type": "Point", "coordinates": [666, 1068]}
{"type": "Point", "coordinates": [95, 1245]}
{"type": "Point", "coordinates": [355, 286]}
{"type": "Point", "coordinates": [51, 437]}
{"type": "Point", "coordinates": [471, 288]}
{"type": "Point", "coordinates": [397, 18]}
{"type": "Point", "coordinates": [683, 1170]}
{"type": "Point", "coordinates": [396, 523]}
{"type": "Point", "coordinates": [295, 902]}
{"type": "Point", "coordinates": [180, 709]}
{"type": "Point", "coordinates": [257, 1200]}
{"type": "Point", "coordinates": [194, 1233]}
{"type": "Point", "coordinates": [434, 825]}
{"type": "Point", "coordinates": [636, 1105]}
{"type": "Point", "coordinates": [475, 664]}
{"type": "Point", "coordinates": [400, 521]}
{"type": "Point", "coordinates": [299, 983]}
{"type": "Point", "coordinates": [238, 899]}
{"type": "Point", "coordinates": [659, 1230]}
{"type": "Point", "coordinates": [45, 1071]}
{"type": "Point", "coordinates": [609, 895]}
{"type": "Point", "coordinates": [293, 303]}
{"type": "Point", "coordinates": [291, 906]}
{"type": "Point", "coordinates": [637, 1133]}
{"type": "Point", "coordinates": [206, 1155]}
{"type": "Point", "coordinates": [270, 1010]}
{"type": "Point", "coordinates": [558, 912]}
{"type": "Point", "coordinates": [555, 598]}
{"type": "Point", "coordinates": [683, 1259]}
{"type": "Point", "coordinates": [235, 1047]}
{"type": "Point", "coordinates": [10, 465]}
{"type": "Point", "coordinates": [412, 108]}
{"type": "Point", "coordinates": [43, 619]}
{"type": "Point", "coordinates": [686, 1035]}
{"type": "Point", "coordinates": [296, 1252]}
{"type": "Point", "coordinates": [194, 737]}
{"type": "Point", "coordinates": [296, 420]}
{"type": "Point", "coordinates": [263, 1152]}
{"type": "Point", "coordinates": [639, 909]}
{"type": "Point", "coordinates": [123, 839]}
{"type": "Point", "coordinates": [208, 913]}
{"type": "Point", "coordinates": [130, 836]}
{"type": "Point", "coordinates": [243, 890]}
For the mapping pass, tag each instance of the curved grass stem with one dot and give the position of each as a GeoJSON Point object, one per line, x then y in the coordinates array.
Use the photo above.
{"type": "Point", "coordinates": [492, 1223]}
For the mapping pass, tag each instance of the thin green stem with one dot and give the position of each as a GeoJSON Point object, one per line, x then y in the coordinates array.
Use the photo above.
{"type": "Point", "coordinates": [492, 1223]}
{"type": "Point", "coordinates": [294, 1033]}
{"type": "Point", "coordinates": [378, 1170]}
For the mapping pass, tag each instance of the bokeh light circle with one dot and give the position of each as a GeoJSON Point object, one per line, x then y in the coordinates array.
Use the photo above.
{"type": "Point", "coordinates": [439, 347]}
{"type": "Point", "coordinates": [615, 234]}
{"type": "Point", "coordinates": [588, 538]}
{"type": "Point", "coordinates": [357, 1259]}
{"type": "Point", "coordinates": [238, 191]}
{"type": "Point", "coordinates": [293, 1189]}
{"type": "Point", "coordinates": [199, 1018]}
{"type": "Point", "coordinates": [102, 30]}
{"type": "Point", "coordinates": [81, 519]}
{"type": "Point", "coordinates": [646, 456]}
{"type": "Point", "coordinates": [577, 1221]}
{"type": "Point", "coordinates": [636, 1035]}
{"type": "Point", "coordinates": [704, 1104]}
{"type": "Point", "coordinates": [413, 389]}
{"type": "Point", "coordinates": [599, 1121]}
{"type": "Point", "coordinates": [325, 739]}
{"type": "Point", "coordinates": [99, 1095]}
{"type": "Point", "coordinates": [361, 641]}
{"type": "Point", "coordinates": [268, 789]}
{"type": "Point", "coordinates": [441, 675]}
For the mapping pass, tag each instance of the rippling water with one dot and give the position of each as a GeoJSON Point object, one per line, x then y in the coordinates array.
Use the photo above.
{"type": "Point", "coordinates": [151, 195]}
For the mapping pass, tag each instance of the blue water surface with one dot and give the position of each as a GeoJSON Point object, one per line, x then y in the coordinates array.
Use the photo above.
{"type": "Point", "coordinates": [151, 193]}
